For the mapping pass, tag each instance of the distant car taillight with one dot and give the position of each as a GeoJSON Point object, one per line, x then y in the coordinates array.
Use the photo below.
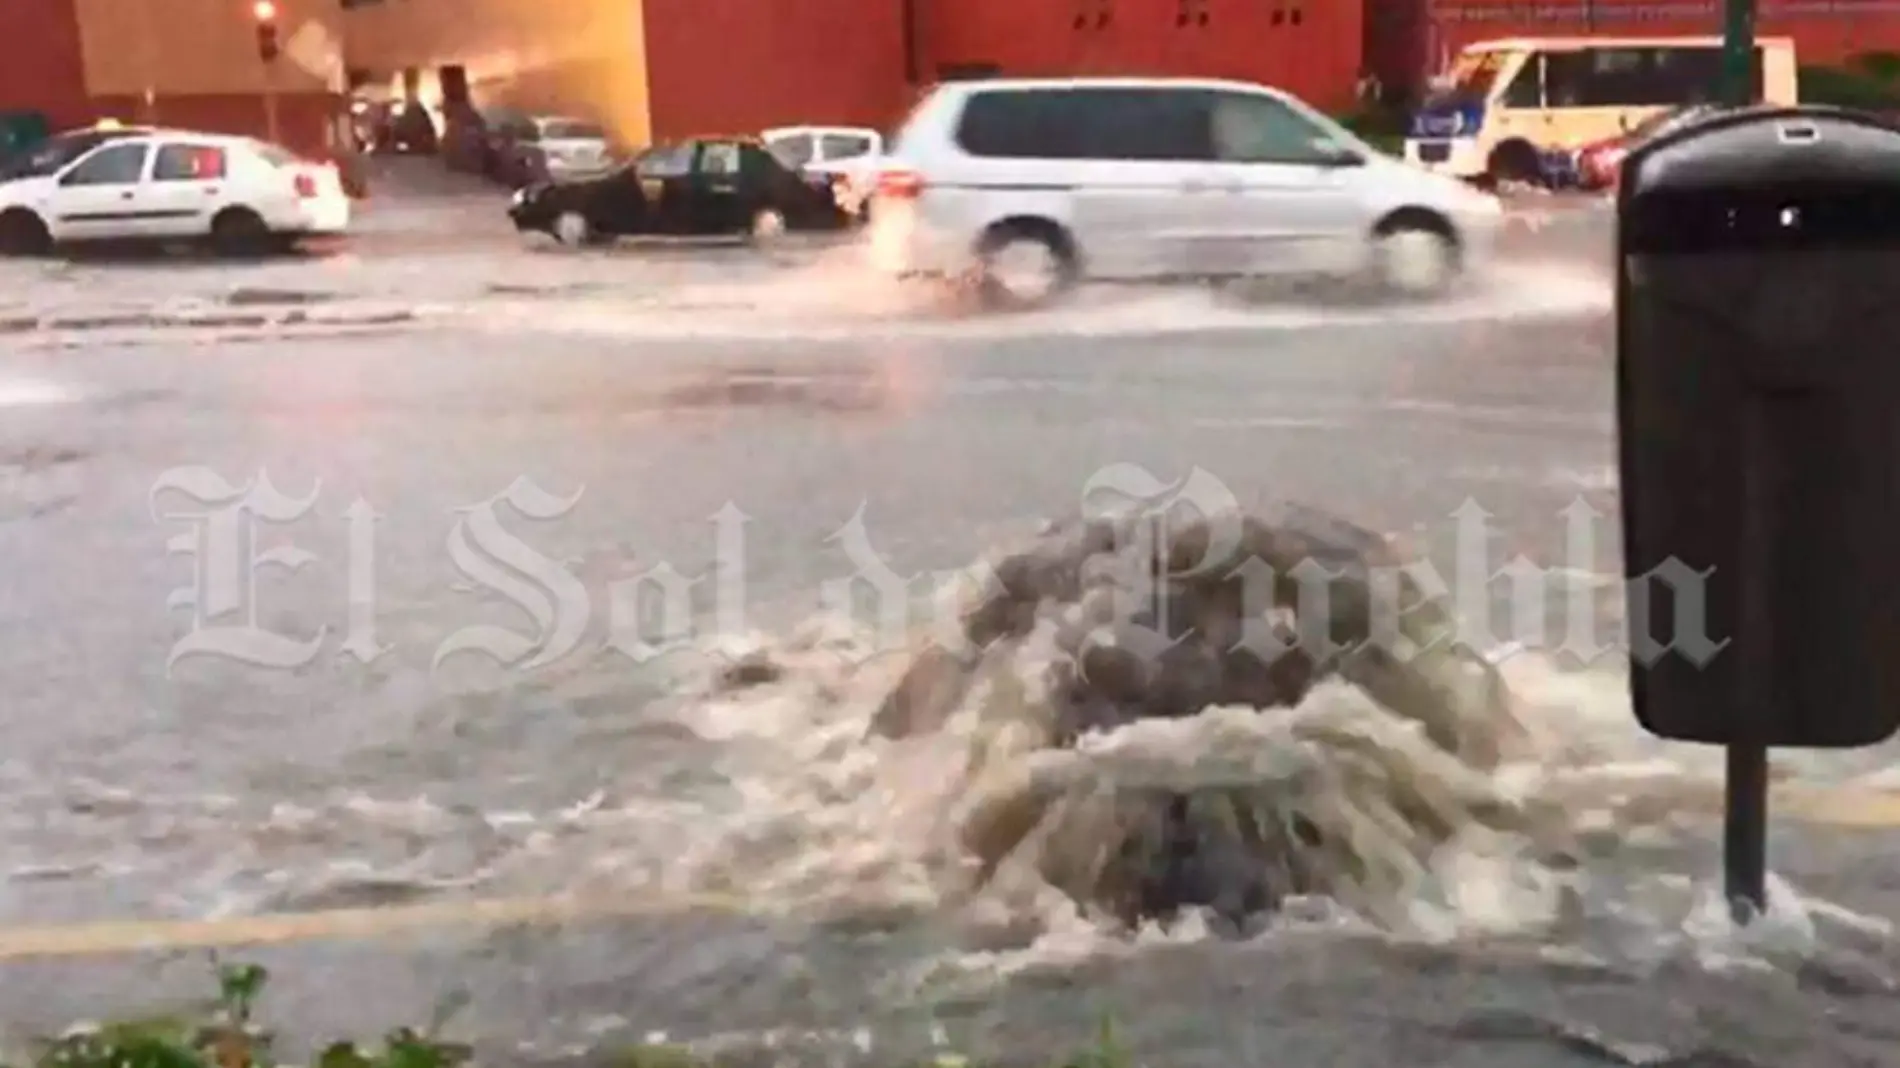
{"type": "Point", "coordinates": [900, 185]}
{"type": "Point", "coordinates": [305, 185]}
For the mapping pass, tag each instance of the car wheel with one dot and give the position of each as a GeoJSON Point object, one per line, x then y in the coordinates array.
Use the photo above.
{"type": "Point", "coordinates": [768, 224]}
{"type": "Point", "coordinates": [1415, 259]}
{"type": "Point", "coordinates": [239, 232]}
{"type": "Point", "coordinates": [1024, 265]}
{"type": "Point", "coordinates": [1514, 161]}
{"type": "Point", "coordinates": [22, 233]}
{"type": "Point", "coordinates": [572, 228]}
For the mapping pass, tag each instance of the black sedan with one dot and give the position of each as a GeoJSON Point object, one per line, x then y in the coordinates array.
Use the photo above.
{"type": "Point", "coordinates": [699, 188]}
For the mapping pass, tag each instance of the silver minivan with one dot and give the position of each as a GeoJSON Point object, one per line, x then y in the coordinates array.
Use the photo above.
{"type": "Point", "coordinates": [1029, 186]}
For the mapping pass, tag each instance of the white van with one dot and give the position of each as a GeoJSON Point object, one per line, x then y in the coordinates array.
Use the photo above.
{"type": "Point", "coordinates": [1028, 186]}
{"type": "Point", "coordinates": [1518, 109]}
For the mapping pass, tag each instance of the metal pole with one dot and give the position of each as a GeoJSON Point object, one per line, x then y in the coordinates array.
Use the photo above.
{"type": "Point", "coordinates": [1738, 51]}
{"type": "Point", "coordinates": [270, 103]}
{"type": "Point", "coordinates": [1745, 808]}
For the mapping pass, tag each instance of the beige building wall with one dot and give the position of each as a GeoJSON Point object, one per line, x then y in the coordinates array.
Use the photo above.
{"type": "Point", "coordinates": [585, 57]}
{"type": "Point", "coordinates": [190, 47]}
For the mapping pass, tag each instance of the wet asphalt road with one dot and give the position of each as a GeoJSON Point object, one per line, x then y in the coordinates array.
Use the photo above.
{"type": "Point", "coordinates": [131, 792]}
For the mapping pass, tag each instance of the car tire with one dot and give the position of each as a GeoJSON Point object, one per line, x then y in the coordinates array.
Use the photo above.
{"type": "Point", "coordinates": [1024, 264]}
{"type": "Point", "coordinates": [1514, 161]}
{"type": "Point", "coordinates": [571, 228]}
{"type": "Point", "coordinates": [1415, 256]}
{"type": "Point", "coordinates": [23, 233]}
{"type": "Point", "coordinates": [766, 226]}
{"type": "Point", "coordinates": [240, 232]}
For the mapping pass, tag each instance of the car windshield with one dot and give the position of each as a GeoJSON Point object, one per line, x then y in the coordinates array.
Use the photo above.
{"type": "Point", "coordinates": [571, 130]}
{"type": "Point", "coordinates": [52, 155]}
{"type": "Point", "coordinates": [1471, 78]}
{"type": "Point", "coordinates": [792, 150]}
{"type": "Point", "coordinates": [1475, 75]}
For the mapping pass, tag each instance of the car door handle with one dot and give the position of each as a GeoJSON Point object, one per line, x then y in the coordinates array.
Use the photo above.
{"type": "Point", "coordinates": [125, 196]}
{"type": "Point", "coordinates": [1194, 186]}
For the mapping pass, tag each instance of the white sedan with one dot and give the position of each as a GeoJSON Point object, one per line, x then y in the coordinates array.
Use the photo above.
{"type": "Point", "coordinates": [844, 157]}
{"type": "Point", "coordinates": [115, 183]}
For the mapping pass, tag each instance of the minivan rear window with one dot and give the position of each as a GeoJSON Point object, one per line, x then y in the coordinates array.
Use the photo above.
{"type": "Point", "coordinates": [1124, 123]}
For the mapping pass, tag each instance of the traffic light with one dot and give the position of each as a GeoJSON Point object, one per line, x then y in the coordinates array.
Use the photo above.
{"type": "Point", "coordinates": [264, 13]}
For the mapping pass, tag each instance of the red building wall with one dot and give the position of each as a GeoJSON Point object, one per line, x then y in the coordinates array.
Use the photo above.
{"type": "Point", "coordinates": [1310, 47]}
{"type": "Point", "coordinates": [44, 70]}
{"type": "Point", "coordinates": [1410, 39]}
{"type": "Point", "coordinates": [731, 66]}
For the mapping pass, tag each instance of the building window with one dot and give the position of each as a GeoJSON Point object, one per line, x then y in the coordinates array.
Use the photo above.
{"type": "Point", "coordinates": [1093, 14]}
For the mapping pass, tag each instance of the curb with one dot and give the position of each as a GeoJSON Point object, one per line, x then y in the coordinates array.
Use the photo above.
{"type": "Point", "coordinates": [209, 319]}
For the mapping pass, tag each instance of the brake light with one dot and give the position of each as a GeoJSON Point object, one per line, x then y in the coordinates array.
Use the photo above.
{"type": "Point", "coordinates": [900, 185]}
{"type": "Point", "coordinates": [305, 185]}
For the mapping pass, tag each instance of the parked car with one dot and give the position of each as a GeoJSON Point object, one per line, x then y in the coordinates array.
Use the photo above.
{"type": "Point", "coordinates": [843, 159]}
{"type": "Point", "coordinates": [1600, 163]}
{"type": "Point", "coordinates": [501, 139]}
{"type": "Point", "coordinates": [711, 186]}
{"type": "Point", "coordinates": [158, 185]}
{"type": "Point", "coordinates": [543, 148]}
{"type": "Point", "coordinates": [1028, 186]}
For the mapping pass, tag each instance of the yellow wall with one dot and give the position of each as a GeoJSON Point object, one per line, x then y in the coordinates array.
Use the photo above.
{"type": "Point", "coordinates": [583, 57]}
{"type": "Point", "coordinates": [201, 46]}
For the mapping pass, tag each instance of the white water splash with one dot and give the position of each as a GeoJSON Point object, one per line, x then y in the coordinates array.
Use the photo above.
{"type": "Point", "coordinates": [833, 301]}
{"type": "Point", "coordinates": [34, 392]}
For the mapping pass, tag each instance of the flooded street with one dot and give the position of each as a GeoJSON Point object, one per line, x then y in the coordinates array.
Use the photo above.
{"type": "Point", "coordinates": [447, 682]}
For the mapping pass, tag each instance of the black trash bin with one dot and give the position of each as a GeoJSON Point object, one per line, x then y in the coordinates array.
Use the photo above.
{"type": "Point", "coordinates": [1758, 379]}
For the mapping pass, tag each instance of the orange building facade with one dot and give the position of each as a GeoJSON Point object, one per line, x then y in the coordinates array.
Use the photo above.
{"type": "Point", "coordinates": [187, 63]}
{"type": "Point", "coordinates": [666, 68]}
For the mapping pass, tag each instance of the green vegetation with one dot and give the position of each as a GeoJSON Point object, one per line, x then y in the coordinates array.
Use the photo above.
{"type": "Point", "coordinates": [227, 1034]}
{"type": "Point", "coordinates": [1870, 81]}
{"type": "Point", "coordinates": [1382, 128]}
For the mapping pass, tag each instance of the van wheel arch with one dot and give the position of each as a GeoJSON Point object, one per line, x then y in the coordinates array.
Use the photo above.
{"type": "Point", "coordinates": [1413, 217]}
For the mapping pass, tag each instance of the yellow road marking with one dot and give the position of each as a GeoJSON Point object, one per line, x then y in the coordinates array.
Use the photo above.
{"type": "Point", "coordinates": [1861, 809]}
{"type": "Point", "coordinates": [132, 936]}
{"type": "Point", "coordinates": [1868, 809]}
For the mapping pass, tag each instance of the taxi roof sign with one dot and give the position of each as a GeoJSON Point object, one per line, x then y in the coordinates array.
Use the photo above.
{"type": "Point", "coordinates": [108, 124]}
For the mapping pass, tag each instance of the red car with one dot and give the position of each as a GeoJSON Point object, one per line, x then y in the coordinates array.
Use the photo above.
{"type": "Point", "coordinates": [1599, 163]}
